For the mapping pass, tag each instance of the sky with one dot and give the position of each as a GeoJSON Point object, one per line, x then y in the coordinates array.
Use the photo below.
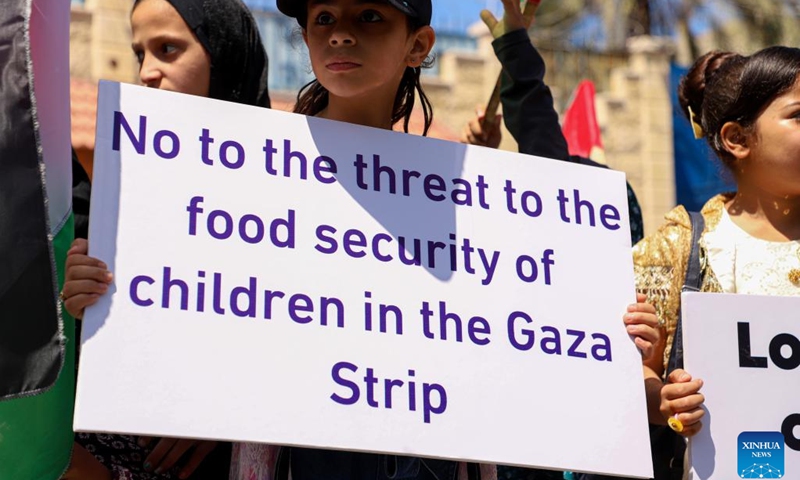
{"type": "Point", "coordinates": [457, 15]}
{"type": "Point", "coordinates": [448, 15]}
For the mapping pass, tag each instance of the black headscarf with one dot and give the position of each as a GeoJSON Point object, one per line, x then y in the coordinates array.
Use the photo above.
{"type": "Point", "coordinates": [228, 32]}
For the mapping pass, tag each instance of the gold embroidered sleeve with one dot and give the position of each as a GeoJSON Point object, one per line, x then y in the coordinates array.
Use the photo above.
{"type": "Point", "coordinates": [660, 267]}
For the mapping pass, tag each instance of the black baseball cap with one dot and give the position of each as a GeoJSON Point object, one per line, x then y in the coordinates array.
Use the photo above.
{"type": "Point", "coordinates": [419, 9]}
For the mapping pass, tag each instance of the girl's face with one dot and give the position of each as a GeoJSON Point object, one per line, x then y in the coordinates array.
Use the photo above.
{"type": "Point", "coordinates": [774, 147]}
{"type": "Point", "coordinates": [170, 56]}
{"type": "Point", "coordinates": [361, 47]}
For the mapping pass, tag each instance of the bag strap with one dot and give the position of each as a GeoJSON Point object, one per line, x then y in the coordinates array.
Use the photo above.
{"type": "Point", "coordinates": [691, 283]}
{"type": "Point", "coordinates": [694, 270]}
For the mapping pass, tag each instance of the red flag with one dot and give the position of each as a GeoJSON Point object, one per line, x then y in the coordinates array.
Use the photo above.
{"type": "Point", "coordinates": [580, 126]}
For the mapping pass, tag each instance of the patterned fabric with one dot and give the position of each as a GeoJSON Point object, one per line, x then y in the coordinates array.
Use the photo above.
{"type": "Point", "coordinates": [252, 461]}
{"type": "Point", "coordinates": [121, 454]}
{"type": "Point", "coordinates": [660, 265]}
{"type": "Point", "coordinates": [745, 264]}
{"type": "Point", "coordinates": [120, 473]}
{"type": "Point", "coordinates": [125, 458]}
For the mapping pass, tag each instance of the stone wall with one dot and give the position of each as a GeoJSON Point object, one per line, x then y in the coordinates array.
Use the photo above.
{"type": "Point", "coordinates": [100, 41]}
{"type": "Point", "coordinates": [80, 43]}
{"type": "Point", "coordinates": [635, 114]}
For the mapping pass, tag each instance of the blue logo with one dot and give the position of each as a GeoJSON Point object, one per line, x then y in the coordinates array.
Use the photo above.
{"type": "Point", "coordinates": [761, 455]}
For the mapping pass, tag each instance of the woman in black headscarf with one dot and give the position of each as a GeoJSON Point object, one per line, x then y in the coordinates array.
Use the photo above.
{"type": "Point", "coordinates": [226, 31]}
{"type": "Point", "coordinates": [227, 34]}
{"type": "Point", "coordinates": [210, 48]}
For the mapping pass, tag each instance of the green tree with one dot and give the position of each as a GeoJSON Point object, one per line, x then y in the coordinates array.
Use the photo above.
{"type": "Point", "coordinates": [742, 25]}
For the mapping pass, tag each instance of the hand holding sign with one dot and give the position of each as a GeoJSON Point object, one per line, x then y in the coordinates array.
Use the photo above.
{"type": "Point", "coordinates": [642, 324]}
{"type": "Point", "coordinates": [681, 399]}
{"type": "Point", "coordinates": [85, 280]}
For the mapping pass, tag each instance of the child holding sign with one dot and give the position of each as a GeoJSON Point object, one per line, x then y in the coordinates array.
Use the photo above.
{"type": "Point", "coordinates": [367, 57]}
{"type": "Point", "coordinates": [209, 48]}
{"type": "Point", "coordinates": [748, 109]}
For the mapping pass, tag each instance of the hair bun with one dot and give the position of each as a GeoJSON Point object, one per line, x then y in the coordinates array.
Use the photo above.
{"type": "Point", "coordinates": [692, 87]}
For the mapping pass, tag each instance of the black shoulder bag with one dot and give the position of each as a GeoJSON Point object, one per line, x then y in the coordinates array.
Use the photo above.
{"type": "Point", "coordinates": [668, 447]}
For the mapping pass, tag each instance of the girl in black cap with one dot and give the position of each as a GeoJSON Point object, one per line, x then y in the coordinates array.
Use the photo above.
{"type": "Point", "coordinates": [209, 48]}
{"type": "Point", "coordinates": [367, 57]}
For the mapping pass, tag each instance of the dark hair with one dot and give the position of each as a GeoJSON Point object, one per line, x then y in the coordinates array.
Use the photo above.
{"type": "Point", "coordinates": [313, 97]}
{"type": "Point", "coordinates": [726, 87]}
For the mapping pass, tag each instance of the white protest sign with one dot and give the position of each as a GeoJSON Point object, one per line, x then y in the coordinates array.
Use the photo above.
{"type": "Point", "coordinates": [746, 350]}
{"type": "Point", "coordinates": [292, 280]}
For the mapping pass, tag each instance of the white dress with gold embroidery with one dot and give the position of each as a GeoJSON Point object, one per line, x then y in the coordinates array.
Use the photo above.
{"type": "Point", "coordinates": [749, 265]}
